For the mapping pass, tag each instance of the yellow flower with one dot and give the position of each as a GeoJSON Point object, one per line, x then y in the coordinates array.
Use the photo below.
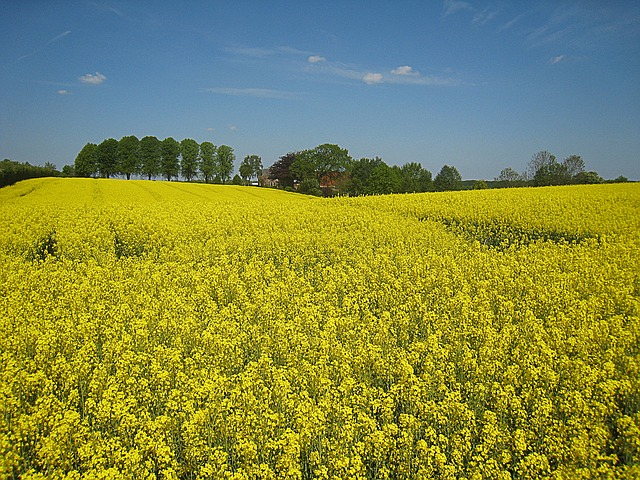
{"type": "Point", "coordinates": [166, 330]}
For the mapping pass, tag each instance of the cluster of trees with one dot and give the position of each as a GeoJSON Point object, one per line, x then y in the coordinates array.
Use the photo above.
{"type": "Point", "coordinates": [12, 171]}
{"type": "Point", "coordinates": [324, 170]}
{"type": "Point", "coordinates": [151, 157]}
{"type": "Point", "coordinates": [328, 169]}
{"type": "Point", "coordinates": [544, 169]}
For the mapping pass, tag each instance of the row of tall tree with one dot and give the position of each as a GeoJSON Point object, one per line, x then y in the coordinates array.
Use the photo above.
{"type": "Point", "coordinates": [329, 169]}
{"type": "Point", "coordinates": [324, 170]}
{"type": "Point", "coordinates": [150, 157]}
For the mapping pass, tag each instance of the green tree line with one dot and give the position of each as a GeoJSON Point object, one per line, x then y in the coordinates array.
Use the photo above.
{"type": "Point", "coordinates": [328, 169]}
{"type": "Point", "coordinates": [544, 169]}
{"type": "Point", "coordinates": [12, 171]}
{"type": "Point", "coordinates": [325, 170]}
{"type": "Point", "coordinates": [170, 159]}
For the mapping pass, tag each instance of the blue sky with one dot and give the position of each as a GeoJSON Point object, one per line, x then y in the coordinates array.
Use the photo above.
{"type": "Point", "coordinates": [481, 85]}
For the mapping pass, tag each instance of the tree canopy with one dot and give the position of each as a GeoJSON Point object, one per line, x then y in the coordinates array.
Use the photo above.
{"type": "Point", "coordinates": [383, 180]}
{"type": "Point", "coordinates": [169, 164]}
{"type": "Point", "coordinates": [107, 156]}
{"type": "Point", "coordinates": [12, 171]}
{"type": "Point", "coordinates": [360, 172]}
{"type": "Point", "coordinates": [545, 170]}
{"type": "Point", "coordinates": [281, 170]}
{"type": "Point", "coordinates": [574, 165]}
{"type": "Point", "coordinates": [539, 160]}
{"type": "Point", "coordinates": [414, 178]}
{"type": "Point", "coordinates": [208, 153]}
{"type": "Point", "coordinates": [150, 156]}
{"type": "Point", "coordinates": [224, 163]}
{"type": "Point", "coordinates": [129, 155]}
{"type": "Point", "coordinates": [320, 161]}
{"type": "Point", "coordinates": [587, 178]}
{"type": "Point", "coordinates": [190, 157]}
{"type": "Point", "coordinates": [327, 168]}
{"type": "Point", "coordinates": [250, 167]}
{"type": "Point", "coordinates": [448, 179]}
{"type": "Point", "coordinates": [86, 163]}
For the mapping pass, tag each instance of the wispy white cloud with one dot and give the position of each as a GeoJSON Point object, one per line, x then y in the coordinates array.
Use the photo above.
{"type": "Point", "coordinates": [251, 51]}
{"type": "Point", "coordinates": [620, 26]}
{"type": "Point", "coordinates": [115, 11]}
{"type": "Point", "coordinates": [210, 129]}
{"type": "Point", "coordinates": [404, 74]}
{"type": "Point", "coordinates": [485, 16]}
{"type": "Point", "coordinates": [372, 78]}
{"type": "Point", "coordinates": [58, 37]}
{"type": "Point", "coordinates": [480, 17]}
{"type": "Point", "coordinates": [585, 25]}
{"type": "Point", "coordinates": [53, 40]}
{"type": "Point", "coordinates": [63, 92]}
{"type": "Point", "coordinates": [426, 80]}
{"type": "Point", "coordinates": [130, 12]}
{"type": "Point", "coordinates": [233, 128]}
{"type": "Point", "coordinates": [451, 7]}
{"type": "Point", "coordinates": [405, 70]}
{"type": "Point", "coordinates": [254, 92]}
{"type": "Point", "coordinates": [335, 69]}
{"type": "Point", "coordinates": [263, 52]}
{"type": "Point", "coordinates": [557, 59]}
{"type": "Point", "coordinates": [91, 79]}
{"type": "Point", "coordinates": [317, 64]}
{"type": "Point", "coordinates": [105, 7]}
{"type": "Point", "coordinates": [550, 34]}
{"type": "Point", "coordinates": [512, 22]}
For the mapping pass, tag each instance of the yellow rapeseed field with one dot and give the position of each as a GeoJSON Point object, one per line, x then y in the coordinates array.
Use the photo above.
{"type": "Point", "coordinates": [171, 330]}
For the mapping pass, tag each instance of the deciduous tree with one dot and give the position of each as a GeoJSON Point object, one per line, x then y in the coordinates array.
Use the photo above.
{"type": "Point", "coordinates": [552, 173]}
{"type": "Point", "coordinates": [86, 164]}
{"type": "Point", "coordinates": [360, 175]}
{"type": "Point", "coordinates": [320, 161]}
{"type": "Point", "coordinates": [150, 156]}
{"type": "Point", "coordinates": [509, 178]}
{"type": "Point", "coordinates": [250, 167]}
{"type": "Point", "coordinates": [208, 161]}
{"type": "Point", "coordinates": [574, 165]}
{"type": "Point", "coordinates": [281, 171]}
{"type": "Point", "coordinates": [539, 160]}
{"type": "Point", "coordinates": [414, 178]}
{"type": "Point", "coordinates": [129, 156]}
{"type": "Point", "coordinates": [448, 179]}
{"type": "Point", "coordinates": [508, 175]}
{"type": "Point", "coordinates": [587, 178]}
{"type": "Point", "coordinates": [224, 164]}
{"type": "Point", "coordinates": [107, 157]}
{"type": "Point", "coordinates": [169, 164]}
{"type": "Point", "coordinates": [310, 186]}
{"type": "Point", "coordinates": [383, 180]}
{"type": "Point", "coordinates": [190, 157]}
